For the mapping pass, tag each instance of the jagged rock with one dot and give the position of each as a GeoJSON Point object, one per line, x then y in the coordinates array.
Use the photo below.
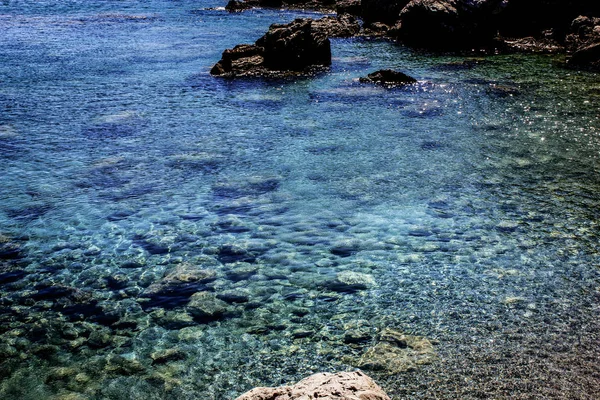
{"type": "Point", "coordinates": [236, 6]}
{"type": "Point", "coordinates": [449, 24]}
{"type": "Point", "coordinates": [584, 42]}
{"type": "Point", "coordinates": [388, 78]}
{"type": "Point", "coordinates": [396, 352]}
{"type": "Point", "coordinates": [341, 26]}
{"type": "Point", "coordinates": [386, 11]}
{"type": "Point", "coordinates": [529, 18]}
{"type": "Point", "coordinates": [352, 7]}
{"type": "Point", "coordinates": [292, 49]}
{"type": "Point", "coordinates": [530, 44]}
{"type": "Point", "coordinates": [343, 385]}
{"type": "Point", "coordinates": [588, 56]}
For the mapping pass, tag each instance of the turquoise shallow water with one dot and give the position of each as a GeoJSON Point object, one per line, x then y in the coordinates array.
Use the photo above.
{"type": "Point", "coordinates": [181, 236]}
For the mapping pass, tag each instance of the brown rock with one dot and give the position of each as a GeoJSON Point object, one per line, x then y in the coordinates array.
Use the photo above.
{"type": "Point", "coordinates": [341, 386]}
{"type": "Point", "coordinates": [293, 49]}
{"type": "Point", "coordinates": [396, 352]}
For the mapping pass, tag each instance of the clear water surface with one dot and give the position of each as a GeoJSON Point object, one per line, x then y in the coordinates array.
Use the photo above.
{"type": "Point", "coordinates": [167, 234]}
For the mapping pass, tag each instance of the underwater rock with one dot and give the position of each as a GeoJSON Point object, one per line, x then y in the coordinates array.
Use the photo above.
{"type": "Point", "coordinates": [343, 385]}
{"type": "Point", "coordinates": [205, 307]}
{"type": "Point", "coordinates": [235, 296]}
{"type": "Point", "coordinates": [241, 271]}
{"type": "Point", "coordinates": [396, 352]}
{"type": "Point", "coordinates": [182, 278]}
{"type": "Point", "coordinates": [168, 355]}
{"type": "Point", "coordinates": [388, 78]}
{"type": "Point", "coordinates": [169, 319]}
{"type": "Point", "coordinates": [292, 49]}
{"type": "Point", "coordinates": [350, 281]}
{"type": "Point", "coordinates": [9, 250]}
{"type": "Point", "coordinates": [356, 332]}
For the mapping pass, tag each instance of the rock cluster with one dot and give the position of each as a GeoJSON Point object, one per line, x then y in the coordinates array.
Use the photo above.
{"type": "Point", "coordinates": [296, 48]}
{"type": "Point", "coordinates": [344, 385]}
{"type": "Point", "coordinates": [299, 48]}
{"type": "Point", "coordinates": [448, 25]}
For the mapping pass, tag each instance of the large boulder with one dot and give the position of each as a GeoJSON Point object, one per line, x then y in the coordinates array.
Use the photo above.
{"type": "Point", "coordinates": [344, 385]}
{"type": "Point", "coordinates": [449, 24]}
{"type": "Point", "coordinates": [531, 17]}
{"type": "Point", "coordinates": [297, 48]}
{"type": "Point", "coordinates": [386, 11]}
{"type": "Point", "coordinates": [587, 57]}
{"type": "Point", "coordinates": [584, 42]}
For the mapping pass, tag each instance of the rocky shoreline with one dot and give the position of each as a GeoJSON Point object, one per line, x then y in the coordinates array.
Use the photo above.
{"type": "Point", "coordinates": [463, 26]}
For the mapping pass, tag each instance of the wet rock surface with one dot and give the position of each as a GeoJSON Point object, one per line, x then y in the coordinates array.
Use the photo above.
{"type": "Point", "coordinates": [293, 49]}
{"type": "Point", "coordinates": [343, 385]}
{"type": "Point", "coordinates": [389, 78]}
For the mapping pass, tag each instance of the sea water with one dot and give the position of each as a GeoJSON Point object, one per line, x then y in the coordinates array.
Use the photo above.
{"type": "Point", "coordinates": [168, 234]}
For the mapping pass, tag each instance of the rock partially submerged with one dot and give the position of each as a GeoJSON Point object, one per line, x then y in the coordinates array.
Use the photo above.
{"type": "Point", "coordinates": [344, 385]}
{"type": "Point", "coordinates": [584, 43]}
{"type": "Point", "coordinates": [293, 49]}
{"type": "Point", "coordinates": [448, 24]}
{"type": "Point", "coordinates": [389, 78]}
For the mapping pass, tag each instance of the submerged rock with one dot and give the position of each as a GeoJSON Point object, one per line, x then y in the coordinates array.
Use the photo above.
{"type": "Point", "coordinates": [9, 250]}
{"type": "Point", "coordinates": [396, 352]}
{"type": "Point", "coordinates": [350, 281]}
{"type": "Point", "coordinates": [343, 385]}
{"type": "Point", "coordinates": [205, 307]}
{"type": "Point", "coordinates": [293, 49]}
{"type": "Point", "coordinates": [389, 78]}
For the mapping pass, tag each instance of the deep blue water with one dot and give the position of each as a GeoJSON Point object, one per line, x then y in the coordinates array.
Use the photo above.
{"type": "Point", "coordinates": [466, 206]}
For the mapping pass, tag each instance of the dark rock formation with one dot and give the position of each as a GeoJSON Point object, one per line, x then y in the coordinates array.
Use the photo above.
{"type": "Point", "coordinates": [352, 7]}
{"type": "Point", "coordinates": [449, 24]}
{"type": "Point", "coordinates": [584, 42]}
{"type": "Point", "coordinates": [299, 48]}
{"type": "Point", "coordinates": [343, 385]}
{"type": "Point", "coordinates": [236, 5]}
{"type": "Point", "coordinates": [385, 11]}
{"type": "Point", "coordinates": [341, 26]}
{"type": "Point", "coordinates": [588, 56]}
{"type": "Point", "coordinates": [389, 78]}
{"type": "Point", "coordinates": [530, 17]}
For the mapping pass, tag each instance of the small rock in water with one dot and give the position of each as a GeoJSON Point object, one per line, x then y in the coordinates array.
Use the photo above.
{"type": "Point", "coordinates": [205, 307]}
{"type": "Point", "coordinates": [235, 296]}
{"type": "Point", "coordinates": [350, 281]}
{"type": "Point", "coordinates": [388, 78]}
{"type": "Point", "coordinates": [168, 355]}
